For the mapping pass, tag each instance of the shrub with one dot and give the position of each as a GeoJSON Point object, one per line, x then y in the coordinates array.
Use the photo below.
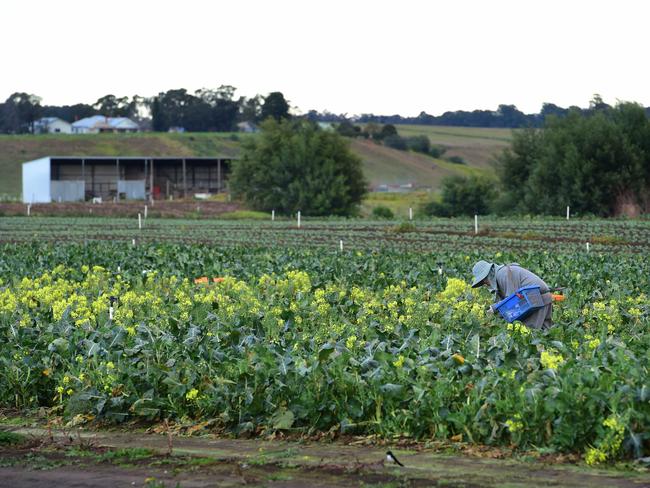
{"type": "Point", "coordinates": [382, 212]}
{"type": "Point", "coordinates": [456, 160]}
{"type": "Point", "coordinates": [396, 142]}
{"type": "Point", "coordinates": [419, 144]}
{"type": "Point", "coordinates": [437, 151]}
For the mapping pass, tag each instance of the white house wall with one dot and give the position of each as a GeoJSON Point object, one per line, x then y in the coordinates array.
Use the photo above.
{"type": "Point", "coordinates": [59, 126]}
{"type": "Point", "coordinates": [36, 181]}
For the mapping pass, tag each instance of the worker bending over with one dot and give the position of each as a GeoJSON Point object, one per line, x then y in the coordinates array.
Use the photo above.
{"type": "Point", "coordinates": [504, 280]}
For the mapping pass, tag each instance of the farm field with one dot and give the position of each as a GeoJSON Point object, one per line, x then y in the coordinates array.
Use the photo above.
{"type": "Point", "coordinates": [476, 145]}
{"type": "Point", "coordinates": [298, 362]}
{"type": "Point", "coordinates": [263, 328]}
{"type": "Point", "coordinates": [420, 235]}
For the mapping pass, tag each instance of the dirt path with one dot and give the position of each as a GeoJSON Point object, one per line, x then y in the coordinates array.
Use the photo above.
{"type": "Point", "coordinates": [78, 458]}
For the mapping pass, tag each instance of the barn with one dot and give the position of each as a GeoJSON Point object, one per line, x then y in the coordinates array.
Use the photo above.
{"type": "Point", "coordinates": [81, 178]}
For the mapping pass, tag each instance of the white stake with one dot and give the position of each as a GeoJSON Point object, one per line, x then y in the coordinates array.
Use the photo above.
{"type": "Point", "coordinates": [140, 221]}
{"type": "Point", "coordinates": [341, 245]}
{"type": "Point", "coordinates": [567, 212]}
{"type": "Point", "coordinates": [440, 270]}
{"type": "Point", "coordinates": [110, 312]}
{"type": "Point", "coordinates": [29, 209]}
{"type": "Point", "coordinates": [410, 213]}
{"type": "Point", "coordinates": [475, 224]}
{"type": "Point", "coordinates": [298, 218]}
{"type": "Point", "coordinates": [587, 247]}
{"type": "Point", "coordinates": [272, 215]}
{"type": "Point", "coordinates": [133, 241]}
{"type": "Point", "coordinates": [145, 212]}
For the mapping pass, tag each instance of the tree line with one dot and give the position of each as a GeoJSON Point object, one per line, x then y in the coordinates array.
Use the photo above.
{"type": "Point", "coordinates": [208, 110]}
{"type": "Point", "coordinates": [205, 110]}
{"type": "Point", "coordinates": [506, 116]}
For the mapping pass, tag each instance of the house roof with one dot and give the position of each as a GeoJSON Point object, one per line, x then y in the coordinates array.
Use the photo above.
{"type": "Point", "coordinates": [103, 122]}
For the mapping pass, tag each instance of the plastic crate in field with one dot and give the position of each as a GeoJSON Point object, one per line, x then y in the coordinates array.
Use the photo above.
{"type": "Point", "coordinates": [520, 304]}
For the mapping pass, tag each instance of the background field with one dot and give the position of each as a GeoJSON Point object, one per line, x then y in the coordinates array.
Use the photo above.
{"type": "Point", "coordinates": [382, 165]}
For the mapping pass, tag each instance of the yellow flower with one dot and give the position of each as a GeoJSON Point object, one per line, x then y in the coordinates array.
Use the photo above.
{"type": "Point", "coordinates": [595, 456]}
{"type": "Point", "coordinates": [550, 360]}
{"type": "Point", "coordinates": [515, 425]}
{"type": "Point", "coordinates": [192, 394]}
{"type": "Point", "coordinates": [47, 372]}
{"type": "Point", "coordinates": [400, 361]}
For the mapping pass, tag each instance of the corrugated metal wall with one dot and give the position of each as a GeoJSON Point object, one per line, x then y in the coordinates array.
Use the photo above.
{"type": "Point", "coordinates": [67, 191]}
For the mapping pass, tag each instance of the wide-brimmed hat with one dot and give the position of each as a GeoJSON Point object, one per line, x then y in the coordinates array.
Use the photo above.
{"type": "Point", "coordinates": [480, 270]}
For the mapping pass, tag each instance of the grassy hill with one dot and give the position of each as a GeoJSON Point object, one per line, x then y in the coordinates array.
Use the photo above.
{"type": "Point", "coordinates": [382, 165]}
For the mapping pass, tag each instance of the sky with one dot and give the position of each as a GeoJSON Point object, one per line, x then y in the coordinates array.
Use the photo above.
{"type": "Point", "coordinates": [343, 56]}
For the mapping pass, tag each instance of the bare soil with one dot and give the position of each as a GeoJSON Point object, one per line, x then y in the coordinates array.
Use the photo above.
{"type": "Point", "coordinates": [79, 458]}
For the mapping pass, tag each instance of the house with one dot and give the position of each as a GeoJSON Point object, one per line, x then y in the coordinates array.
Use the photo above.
{"type": "Point", "coordinates": [52, 125]}
{"type": "Point", "coordinates": [100, 123]}
{"type": "Point", "coordinates": [247, 126]}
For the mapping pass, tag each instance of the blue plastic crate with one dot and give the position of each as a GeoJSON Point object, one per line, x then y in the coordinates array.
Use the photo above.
{"type": "Point", "coordinates": [520, 304]}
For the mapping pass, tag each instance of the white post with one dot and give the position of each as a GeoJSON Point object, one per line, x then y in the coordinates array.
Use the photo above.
{"type": "Point", "coordinates": [110, 312]}
{"type": "Point", "coordinates": [298, 218]}
{"type": "Point", "coordinates": [587, 247]}
{"type": "Point", "coordinates": [272, 215]}
{"type": "Point", "coordinates": [567, 212]}
{"type": "Point", "coordinates": [133, 241]}
{"type": "Point", "coordinates": [29, 209]}
{"type": "Point", "coordinates": [410, 213]}
{"type": "Point", "coordinates": [145, 212]}
{"type": "Point", "coordinates": [475, 224]}
{"type": "Point", "coordinates": [140, 221]}
{"type": "Point", "coordinates": [440, 270]}
{"type": "Point", "coordinates": [341, 245]}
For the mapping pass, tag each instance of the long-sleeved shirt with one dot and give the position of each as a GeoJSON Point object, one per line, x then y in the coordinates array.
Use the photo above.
{"type": "Point", "coordinates": [511, 277]}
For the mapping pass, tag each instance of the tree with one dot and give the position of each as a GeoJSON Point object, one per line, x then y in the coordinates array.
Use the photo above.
{"type": "Point", "coordinates": [463, 196]}
{"type": "Point", "coordinates": [112, 106]}
{"type": "Point", "coordinates": [275, 106]}
{"type": "Point", "coordinates": [251, 109]}
{"type": "Point", "coordinates": [19, 112]}
{"type": "Point", "coordinates": [293, 165]}
{"type": "Point", "coordinates": [593, 161]}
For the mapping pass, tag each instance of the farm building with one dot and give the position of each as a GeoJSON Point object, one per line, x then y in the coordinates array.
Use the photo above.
{"type": "Point", "coordinates": [100, 123]}
{"type": "Point", "coordinates": [79, 178]}
{"type": "Point", "coordinates": [52, 125]}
